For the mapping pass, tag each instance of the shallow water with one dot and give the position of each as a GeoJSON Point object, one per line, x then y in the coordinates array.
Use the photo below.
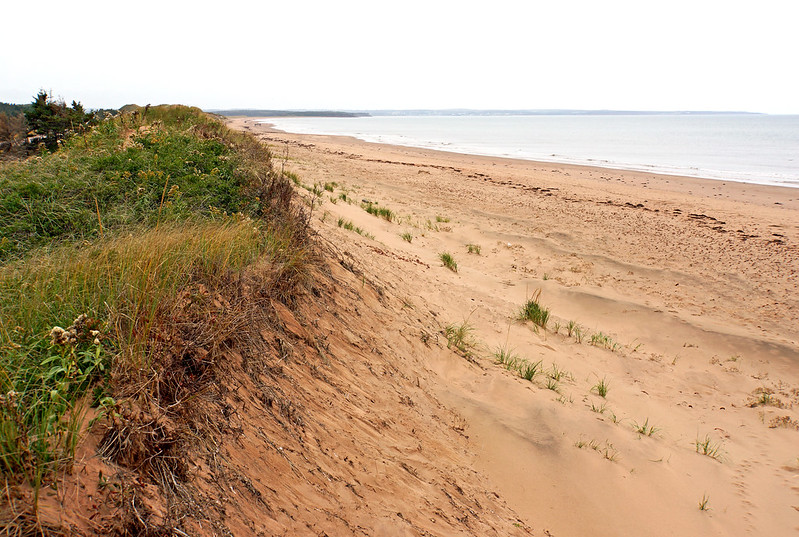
{"type": "Point", "coordinates": [751, 148]}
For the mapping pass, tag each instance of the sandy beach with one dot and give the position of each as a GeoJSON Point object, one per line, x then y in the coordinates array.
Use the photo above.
{"type": "Point", "coordinates": [682, 296]}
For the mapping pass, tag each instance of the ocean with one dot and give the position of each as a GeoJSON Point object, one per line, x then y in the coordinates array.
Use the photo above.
{"type": "Point", "coordinates": [750, 148]}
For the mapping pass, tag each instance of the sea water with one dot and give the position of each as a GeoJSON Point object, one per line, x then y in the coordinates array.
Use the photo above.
{"type": "Point", "coordinates": [750, 148]}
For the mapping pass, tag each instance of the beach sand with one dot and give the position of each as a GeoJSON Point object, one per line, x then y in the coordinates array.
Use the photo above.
{"type": "Point", "coordinates": [688, 287]}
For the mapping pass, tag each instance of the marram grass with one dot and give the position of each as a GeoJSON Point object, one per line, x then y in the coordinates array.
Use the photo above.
{"type": "Point", "coordinates": [97, 237]}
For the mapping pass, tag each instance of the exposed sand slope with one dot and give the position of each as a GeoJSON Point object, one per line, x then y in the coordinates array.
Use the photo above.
{"type": "Point", "coordinates": [694, 281]}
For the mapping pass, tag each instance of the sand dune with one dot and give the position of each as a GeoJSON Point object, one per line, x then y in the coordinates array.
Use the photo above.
{"type": "Point", "coordinates": [688, 286]}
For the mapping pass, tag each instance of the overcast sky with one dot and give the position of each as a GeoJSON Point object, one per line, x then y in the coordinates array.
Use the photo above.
{"type": "Point", "coordinates": [346, 54]}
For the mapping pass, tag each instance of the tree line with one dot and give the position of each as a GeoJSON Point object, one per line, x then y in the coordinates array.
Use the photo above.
{"type": "Point", "coordinates": [43, 123]}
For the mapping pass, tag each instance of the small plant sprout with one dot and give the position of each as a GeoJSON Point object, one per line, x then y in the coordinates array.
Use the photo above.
{"type": "Point", "coordinates": [503, 356]}
{"type": "Point", "coordinates": [473, 249]}
{"type": "Point", "coordinates": [578, 334]}
{"type": "Point", "coordinates": [442, 219]}
{"type": "Point", "coordinates": [599, 409]}
{"type": "Point", "coordinates": [460, 337]}
{"type": "Point", "coordinates": [601, 388]}
{"type": "Point", "coordinates": [610, 453]}
{"type": "Point", "coordinates": [607, 451]}
{"type": "Point", "coordinates": [703, 503]}
{"type": "Point", "coordinates": [603, 340]}
{"type": "Point", "coordinates": [645, 429]}
{"type": "Point", "coordinates": [534, 311]}
{"type": "Point", "coordinates": [708, 447]}
{"type": "Point", "coordinates": [552, 384]}
{"type": "Point", "coordinates": [556, 373]}
{"type": "Point", "coordinates": [407, 237]}
{"type": "Point", "coordinates": [765, 397]}
{"type": "Point", "coordinates": [448, 261]}
{"type": "Point", "coordinates": [528, 370]}
{"type": "Point", "coordinates": [570, 327]}
{"type": "Point", "coordinates": [556, 327]}
{"type": "Point", "coordinates": [563, 399]}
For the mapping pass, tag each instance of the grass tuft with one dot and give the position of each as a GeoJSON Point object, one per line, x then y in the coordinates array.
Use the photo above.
{"type": "Point", "coordinates": [601, 388]}
{"type": "Point", "coordinates": [533, 311]}
{"type": "Point", "coordinates": [448, 261]}
{"type": "Point", "coordinates": [528, 370]}
{"type": "Point", "coordinates": [645, 429]}
{"type": "Point", "coordinates": [382, 212]}
{"type": "Point", "coordinates": [459, 336]}
{"type": "Point", "coordinates": [708, 447]}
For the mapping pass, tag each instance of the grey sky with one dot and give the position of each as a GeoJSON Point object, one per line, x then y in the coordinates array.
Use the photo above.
{"type": "Point", "coordinates": [670, 55]}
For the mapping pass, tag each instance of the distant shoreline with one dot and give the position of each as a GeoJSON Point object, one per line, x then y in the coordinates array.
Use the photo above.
{"type": "Point", "coordinates": [479, 147]}
{"type": "Point", "coordinates": [247, 112]}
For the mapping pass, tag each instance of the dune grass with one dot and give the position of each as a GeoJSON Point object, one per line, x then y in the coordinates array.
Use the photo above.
{"type": "Point", "coordinates": [382, 212]}
{"type": "Point", "coordinates": [448, 261]}
{"type": "Point", "coordinates": [644, 428]}
{"type": "Point", "coordinates": [459, 336]}
{"type": "Point", "coordinates": [708, 447]}
{"type": "Point", "coordinates": [99, 239]}
{"type": "Point", "coordinates": [601, 388]}
{"type": "Point", "coordinates": [533, 311]}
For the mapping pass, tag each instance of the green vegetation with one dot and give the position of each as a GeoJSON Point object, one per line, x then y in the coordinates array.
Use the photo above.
{"type": "Point", "coordinates": [703, 503]}
{"type": "Point", "coordinates": [407, 237]}
{"type": "Point", "coordinates": [579, 334]}
{"type": "Point", "coordinates": [571, 328]}
{"type": "Point", "coordinates": [528, 370]}
{"type": "Point", "coordinates": [473, 249]}
{"type": "Point", "coordinates": [52, 120]}
{"type": "Point", "coordinates": [765, 397]}
{"type": "Point", "coordinates": [125, 235]}
{"type": "Point", "coordinates": [552, 384]}
{"type": "Point", "coordinates": [130, 172]}
{"type": "Point", "coordinates": [556, 373]}
{"type": "Point", "coordinates": [602, 340]}
{"type": "Point", "coordinates": [503, 356]}
{"type": "Point", "coordinates": [448, 261]}
{"type": "Point", "coordinates": [708, 447]}
{"type": "Point", "coordinates": [442, 219]}
{"type": "Point", "coordinates": [607, 451]}
{"type": "Point", "coordinates": [460, 337]}
{"type": "Point", "coordinates": [349, 226]}
{"type": "Point", "coordinates": [534, 311]}
{"type": "Point", "coordinates": [645, 429]}
{"type": "Point", "coordinates": [601, 388]}
{"type": "Point", "coordinates": [383, 212]}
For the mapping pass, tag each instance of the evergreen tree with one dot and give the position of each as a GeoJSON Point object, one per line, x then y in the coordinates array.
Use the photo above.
{"type": "Point", "coordinates": [52, 120]}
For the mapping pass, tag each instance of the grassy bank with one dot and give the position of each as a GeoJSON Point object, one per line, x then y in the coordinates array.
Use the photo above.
{"type": "Point", "coordinates": [104, 243]}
